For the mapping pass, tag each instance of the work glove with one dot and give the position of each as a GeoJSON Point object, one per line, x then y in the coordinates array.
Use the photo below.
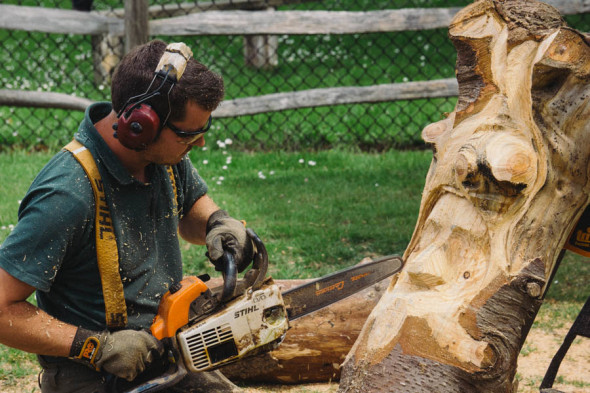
{"type": "Point", "coordinates": [125, 353]}
{"type": "Point", "coordinates": [225, 233]}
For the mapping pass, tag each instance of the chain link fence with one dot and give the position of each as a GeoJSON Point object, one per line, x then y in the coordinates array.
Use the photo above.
{"type": "Point", "coordinates": [252, 66]}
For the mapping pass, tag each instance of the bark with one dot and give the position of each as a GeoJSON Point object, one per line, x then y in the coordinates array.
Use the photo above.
{"type": "Point", "coordinates": [507, 183]}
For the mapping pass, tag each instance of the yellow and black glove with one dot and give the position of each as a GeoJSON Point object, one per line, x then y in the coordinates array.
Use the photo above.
{"type": "Point", "coordinates": [225, 233]}
{"type": "Point", "coordinates": [125, 353]}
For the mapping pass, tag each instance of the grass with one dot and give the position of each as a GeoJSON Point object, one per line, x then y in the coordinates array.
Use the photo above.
{"type": "Point", "coordinates": [362, 204]}
{"type": "Point", "coordinates": [316, 211]}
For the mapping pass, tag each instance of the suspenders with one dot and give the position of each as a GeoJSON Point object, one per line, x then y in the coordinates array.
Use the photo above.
{"type": "Point", "coordinates": [107, 253]}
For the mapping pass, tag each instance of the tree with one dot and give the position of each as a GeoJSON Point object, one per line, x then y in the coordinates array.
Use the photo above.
{"type": "Point", "coordinates": [508, 181]}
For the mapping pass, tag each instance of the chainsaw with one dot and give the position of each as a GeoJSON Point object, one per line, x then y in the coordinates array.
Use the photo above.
{"type": "Point", "coordinates": [204, 329]}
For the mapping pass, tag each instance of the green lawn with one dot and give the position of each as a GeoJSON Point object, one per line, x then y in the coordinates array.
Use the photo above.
{"type": "Point", "coordinates": [317, 212]}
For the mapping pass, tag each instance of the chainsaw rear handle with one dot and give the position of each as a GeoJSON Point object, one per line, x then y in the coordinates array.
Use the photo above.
{"type": "Point", "coordinates": [230, 277]}
{"type": "Point", "coordinates": [253, 278]}
{"type": "Point", "coordinates": [172, 376]}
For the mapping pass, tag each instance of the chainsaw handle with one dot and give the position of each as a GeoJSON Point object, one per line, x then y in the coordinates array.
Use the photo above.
{"type": "Point", "coordinates": [230, 277]}
{"type": "Point", "coordinates": [252, 279]}
{"type": "Point", "coordinates": [255, 276]}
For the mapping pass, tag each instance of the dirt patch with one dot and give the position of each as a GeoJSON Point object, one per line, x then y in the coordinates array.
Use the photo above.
{"type": "Point", "coordinates": [536, 354]}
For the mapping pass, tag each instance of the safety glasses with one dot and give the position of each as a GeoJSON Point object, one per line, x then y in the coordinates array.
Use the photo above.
{"type": "Point", "coordinates": [189, 137]}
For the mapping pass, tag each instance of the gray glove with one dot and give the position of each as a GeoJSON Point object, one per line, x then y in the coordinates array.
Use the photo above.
{"type": "Point", "coordinates": [225, 233]}
{"type": "Point", "coordinates": [125, 353]}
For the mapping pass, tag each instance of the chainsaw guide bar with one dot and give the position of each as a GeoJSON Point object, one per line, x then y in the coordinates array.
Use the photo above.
{"type": "Point", "coordinates": [317, 294]}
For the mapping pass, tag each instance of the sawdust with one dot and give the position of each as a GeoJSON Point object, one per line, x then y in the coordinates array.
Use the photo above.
{"type": "Point", "coordinates": [537, 352]}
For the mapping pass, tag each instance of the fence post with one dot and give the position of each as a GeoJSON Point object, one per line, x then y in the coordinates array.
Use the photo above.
{"type": "Point", "coordinates": [136, 23]}
{"type": "Point", "coordinates": [108, 49]}
{"type": "Point", "coordinates": [260, 51]}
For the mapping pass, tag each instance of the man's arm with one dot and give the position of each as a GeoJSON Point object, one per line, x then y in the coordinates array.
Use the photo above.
{"type": "Point", "coordinates": [207, 224]}
{"type": "Point", "coordinates": [26, 327]}
{"type": "Point", "coordinates": [193, 226]}
{"type": "Point", "coordinates": [124, 353]}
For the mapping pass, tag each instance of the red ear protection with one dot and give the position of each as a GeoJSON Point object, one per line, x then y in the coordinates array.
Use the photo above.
{"type": "Point", "coordinates": [138, 124]}
{"type": "Point", "coordinates": [137, 127]}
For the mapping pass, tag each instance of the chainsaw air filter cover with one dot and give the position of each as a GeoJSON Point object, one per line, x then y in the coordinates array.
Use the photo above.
{"type": "Point", "coordinates": [247, 326]}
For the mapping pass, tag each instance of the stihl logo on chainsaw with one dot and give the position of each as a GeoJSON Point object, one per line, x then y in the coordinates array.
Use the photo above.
{"type": "Point", "coordinates": [245, 311]}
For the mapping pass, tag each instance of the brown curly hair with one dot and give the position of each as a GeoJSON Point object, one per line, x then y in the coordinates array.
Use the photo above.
{"type": "Point", "coordinates": [136, 70]}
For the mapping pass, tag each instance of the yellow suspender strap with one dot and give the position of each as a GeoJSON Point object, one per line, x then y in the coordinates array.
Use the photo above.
{"type": "Point", "coordinates": [173, 181]}
{"type": "Point", "coordinates": [107, 253]}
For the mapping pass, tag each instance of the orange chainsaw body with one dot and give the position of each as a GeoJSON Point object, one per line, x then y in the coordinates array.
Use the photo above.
{"type": "Point", "coordinates": [173, 311]}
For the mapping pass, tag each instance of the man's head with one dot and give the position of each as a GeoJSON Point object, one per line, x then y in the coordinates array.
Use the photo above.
{"type": "Point", "coordinates": [135, 73]}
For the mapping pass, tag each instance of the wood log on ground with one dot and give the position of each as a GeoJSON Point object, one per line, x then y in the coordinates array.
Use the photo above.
{"type": "Point", "coordinates": [508, 181]}
{"type": "Point", "coordinates": [315, 346]}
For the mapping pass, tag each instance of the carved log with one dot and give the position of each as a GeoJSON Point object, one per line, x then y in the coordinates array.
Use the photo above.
{"type": "Point", "coordinates": [315, 346]}
{"type": "Point", "coordinates": [508, 181]}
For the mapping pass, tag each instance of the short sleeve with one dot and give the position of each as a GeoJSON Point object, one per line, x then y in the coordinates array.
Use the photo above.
{"type": "Point", "coordinates": [192, 185]}
{"type": "Point", "coordinates": [54, 218]}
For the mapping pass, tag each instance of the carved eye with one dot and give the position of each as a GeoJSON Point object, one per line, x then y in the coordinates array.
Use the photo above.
{"type": "Point", "coordinates": [495, 169]}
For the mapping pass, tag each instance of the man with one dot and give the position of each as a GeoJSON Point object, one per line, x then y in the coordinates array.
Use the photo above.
{"type": "Point", "coordinates": [153, 194]}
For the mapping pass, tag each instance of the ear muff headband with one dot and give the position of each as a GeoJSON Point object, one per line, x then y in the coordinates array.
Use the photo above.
{"type": "Point", "coordinates": [138, 123]}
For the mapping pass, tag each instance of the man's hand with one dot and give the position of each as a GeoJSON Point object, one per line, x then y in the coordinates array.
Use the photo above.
{"type": "Point", "coordinates": [225, 233]}
{"type": "Point", "coordinates": [125, 353]}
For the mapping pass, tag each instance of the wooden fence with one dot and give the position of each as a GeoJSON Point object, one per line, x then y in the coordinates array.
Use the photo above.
{"type": "Point", "coordinates": [137, 21]}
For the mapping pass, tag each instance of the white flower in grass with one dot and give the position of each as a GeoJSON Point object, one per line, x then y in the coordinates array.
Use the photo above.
{"type": "Point", "coordinates": [261, 175]}
{"type": "Point", "coordinates": [301, 160]}
{"type": "Point", "coordinates": [311, 163]}
{"type": "Point", "coordinates": [205, 162]}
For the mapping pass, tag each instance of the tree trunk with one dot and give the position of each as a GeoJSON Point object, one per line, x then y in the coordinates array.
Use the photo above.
{"type": "Point", "coordinates": [315, 346]}
{"type": "Point", "coordinates": [508, 181]}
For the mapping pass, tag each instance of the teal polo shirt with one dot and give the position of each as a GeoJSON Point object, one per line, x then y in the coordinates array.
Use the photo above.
{"type": "Point", "coordinates": [52, 247]}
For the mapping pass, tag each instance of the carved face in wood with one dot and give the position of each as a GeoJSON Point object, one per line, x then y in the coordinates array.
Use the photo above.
{"type": "Point", "coordinates": [508, 179]}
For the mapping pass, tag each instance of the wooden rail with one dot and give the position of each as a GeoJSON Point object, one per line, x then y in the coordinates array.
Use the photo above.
{"type": "Point", "coordinates": [51, 20]}
{"type": "Point", "coordinates": [266, 103]}
{"type": "Point", "coordinates": [337, 96]}
{"type": "Point", "coordinates": [169, 10]}
{"type": "Point", "coordinates": [223, 19]}
{"type": "Point", "coordinates": [38, 99]}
